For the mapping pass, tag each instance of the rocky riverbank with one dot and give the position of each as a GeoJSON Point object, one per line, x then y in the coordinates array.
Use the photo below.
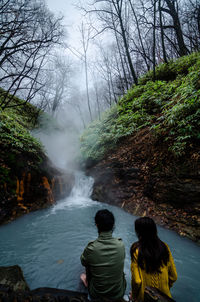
{"type": "Point", "coordinates": [13, 288]}
{"type": "Point", "coordinates": [143, 178]}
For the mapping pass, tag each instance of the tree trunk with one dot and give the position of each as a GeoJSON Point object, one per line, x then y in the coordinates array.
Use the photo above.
{"type": "Point", "coordinates": [162, 32]}
{"type": "Point", "coordinates": [121, 59]}
{"type": "Point", "coordinates": [198, 18]}
{"type": "Point", "coordinates": [177, 27]}
{"type": "Point", "coordinates": [154, 40]}
{"type": "Point", "coordinates": [139, 35]}
{"type": "Point", "coordinates": [87, 88]}
{"type": "Point", "coordinates": [118, 7]}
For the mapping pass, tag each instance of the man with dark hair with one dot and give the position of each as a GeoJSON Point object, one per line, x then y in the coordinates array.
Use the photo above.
{"type": "Point", "coordinates": [104, 262]}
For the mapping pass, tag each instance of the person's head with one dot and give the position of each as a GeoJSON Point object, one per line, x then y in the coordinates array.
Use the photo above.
{"type": "Point", "coordinates": [153, 253]}
{"type": "Point", "coordinates": [104, 221]}
{"type": "Point", "coordinates": [145, 229]}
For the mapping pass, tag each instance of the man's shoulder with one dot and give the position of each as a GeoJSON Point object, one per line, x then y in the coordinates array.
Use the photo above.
{"type": "Point", "coordinates": [91, 244]}
{"type": "Point", "coordinates": [118, 241]}
{"type": "Point", "coordinates": [95, 243]}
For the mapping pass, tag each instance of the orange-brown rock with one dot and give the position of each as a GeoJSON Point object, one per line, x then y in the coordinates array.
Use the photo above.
{"type": "Point", "coordinates": [32, 189]}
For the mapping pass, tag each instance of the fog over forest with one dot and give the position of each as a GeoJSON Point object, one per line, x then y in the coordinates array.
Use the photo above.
{"type": "Point", "coordinates": [74, 59]}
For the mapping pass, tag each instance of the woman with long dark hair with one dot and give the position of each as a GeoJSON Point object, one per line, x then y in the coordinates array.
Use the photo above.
{"type": "Point", "coordinates": [152, 263]}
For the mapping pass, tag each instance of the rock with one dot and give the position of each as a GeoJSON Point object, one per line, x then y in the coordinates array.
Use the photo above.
{"type": "Point", "coordinates": [13, 288]}
{"type": "Point", "coordinates": [59, 295]}
{"type": "Point", "coordinates": [42, 295]}
{"type": "Point", "coordinates": [111, 182]}
{"type": "Point", "coordinates": [33, 189]}
{"type": "Point", "coordinates": [175, 190]}
{"type": "Point", "coordinates": [12, 278]}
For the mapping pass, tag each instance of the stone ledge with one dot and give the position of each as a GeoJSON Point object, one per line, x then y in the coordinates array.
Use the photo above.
{"type": "Point", "coordinates": [13, 288]}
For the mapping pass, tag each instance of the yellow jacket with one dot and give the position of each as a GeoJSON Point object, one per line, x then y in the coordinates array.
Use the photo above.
{"type": "Point", "coordinates": [163, 280]}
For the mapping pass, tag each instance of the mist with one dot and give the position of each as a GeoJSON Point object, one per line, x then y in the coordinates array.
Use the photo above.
{"type": "Point", "coordinates": [60, 139]}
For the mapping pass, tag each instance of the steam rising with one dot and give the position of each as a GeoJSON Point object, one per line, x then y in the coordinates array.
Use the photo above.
{"type": "Point", "coordinates": [61, 142]}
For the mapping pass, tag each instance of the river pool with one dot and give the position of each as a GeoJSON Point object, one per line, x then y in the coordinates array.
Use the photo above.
{"type": "Point", "coordinates": [47, 244]}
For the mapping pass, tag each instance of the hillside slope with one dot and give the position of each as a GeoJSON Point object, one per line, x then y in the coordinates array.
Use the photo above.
{"type": "Point", "coordinates": [28, 180]}
{"type": "Point", "coordinates": [145, 152]}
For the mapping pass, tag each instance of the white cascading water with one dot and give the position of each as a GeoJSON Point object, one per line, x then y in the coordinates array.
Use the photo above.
{"type": "Point", "coordinates": [80, 194]}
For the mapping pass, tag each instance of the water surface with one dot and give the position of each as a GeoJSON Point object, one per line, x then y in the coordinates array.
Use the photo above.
{"type": "Point", "coordinates": [47, 244]}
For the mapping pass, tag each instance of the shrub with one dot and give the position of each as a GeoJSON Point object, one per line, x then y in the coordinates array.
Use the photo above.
{"type": "Point", "coordinates": [171, 107]}
{"type": "Point", "coordinates": [15, 137]}
{"type": "Point", "coordinates": [169, 71]}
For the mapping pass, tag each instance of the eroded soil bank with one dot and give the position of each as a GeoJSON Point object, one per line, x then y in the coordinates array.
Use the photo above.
{"type": "Point", "coordinates": [144, 178]}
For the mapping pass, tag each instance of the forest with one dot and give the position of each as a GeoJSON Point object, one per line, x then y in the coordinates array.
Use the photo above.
{"type": "Point", "coordinates": [99, 108]}
{"type": "Point", "coordinates": [117, 43]}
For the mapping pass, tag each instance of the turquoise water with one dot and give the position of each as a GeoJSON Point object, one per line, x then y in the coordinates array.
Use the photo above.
{"type": "Point", "coordinates": [47, 244]}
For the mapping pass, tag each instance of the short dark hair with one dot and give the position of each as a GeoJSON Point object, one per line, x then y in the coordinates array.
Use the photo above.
{"type": "Point", "coordinates": [104, 220]}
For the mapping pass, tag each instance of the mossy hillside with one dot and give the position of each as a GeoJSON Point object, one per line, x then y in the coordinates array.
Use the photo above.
{"type": "Point", "coordinates": [169, 106]}
{"type": "Point", "coordinates": [18, 148]}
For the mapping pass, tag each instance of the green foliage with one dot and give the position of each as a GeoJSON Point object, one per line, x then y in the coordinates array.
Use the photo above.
{"type": "Point", "coordinates": [170, 106]}
{"type": "Point", "coordinates": [182, 115]}
{"type": "Point", "coordinates": [21, 108]}
{"type": "Point", "coordinates": [18, 148]}
{"type": "Point", "coordinates": [99, 136]}
{"type": "Point", "coordinates": [15, 138]}
{"type": "Point", "coordinates": [169, 71]}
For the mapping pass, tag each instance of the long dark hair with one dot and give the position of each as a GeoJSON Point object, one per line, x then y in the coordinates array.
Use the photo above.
{"type": "Point", "coordinates": [152, 252]}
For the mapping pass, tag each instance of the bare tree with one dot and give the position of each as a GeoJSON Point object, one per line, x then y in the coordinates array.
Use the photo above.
{"type": "Point", "coordinates": [143, 53]}
{"type": "Point", "coordinates": [162, 32]}
{"type": "Point", "coordinates": [154, 40]}
{"type": "Point", "coordinates": [172, 10]}
{"type": "Point", "coordinates": [85, 38]}
{"type": "Point", "coordinates": [97, 98]}
{"type": "Point", "coordinates": [191, 24]}
{"type": "Point", "coordinates": [57, 83]}
{"type": "Point", "coordinates": [111, 14]}
{"type": "Point", "coordinates": [28, 32]}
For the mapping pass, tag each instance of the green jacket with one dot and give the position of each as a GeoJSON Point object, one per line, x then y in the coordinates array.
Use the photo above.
{"type": "Point", "coordinates": [104, 262]}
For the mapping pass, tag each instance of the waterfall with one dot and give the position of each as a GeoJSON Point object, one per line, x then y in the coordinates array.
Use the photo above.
{"type": "Point", "coordinates": [80, 194]}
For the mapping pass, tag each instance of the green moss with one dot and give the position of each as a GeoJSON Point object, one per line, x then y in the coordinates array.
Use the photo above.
{"type": "Point", "coordinates": [169, 71]}
{"type": "Point", "coordinates": [170, 106]}
{"type": "Point", "coordinates": [14, 136]}
{"type": "Point", "coordinates": [19, 150]}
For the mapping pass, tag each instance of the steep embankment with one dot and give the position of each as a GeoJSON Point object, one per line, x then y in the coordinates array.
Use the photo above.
{"type": "Point", "coordinates": [28, 180]}
{"type": "Point", "coordinates": [144, 154]}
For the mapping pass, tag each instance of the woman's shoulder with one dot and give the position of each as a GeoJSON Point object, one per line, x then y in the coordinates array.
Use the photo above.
{"type": "Point", "coordinates": [134, 249]}
{"type": "Point", "coordinates": [135, 245]}
{"type": "Point", "coordinates": [166, 245]}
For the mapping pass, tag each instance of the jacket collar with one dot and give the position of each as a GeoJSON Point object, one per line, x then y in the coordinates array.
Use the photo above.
{"type": "Point", "coordinates": [105, 235]}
